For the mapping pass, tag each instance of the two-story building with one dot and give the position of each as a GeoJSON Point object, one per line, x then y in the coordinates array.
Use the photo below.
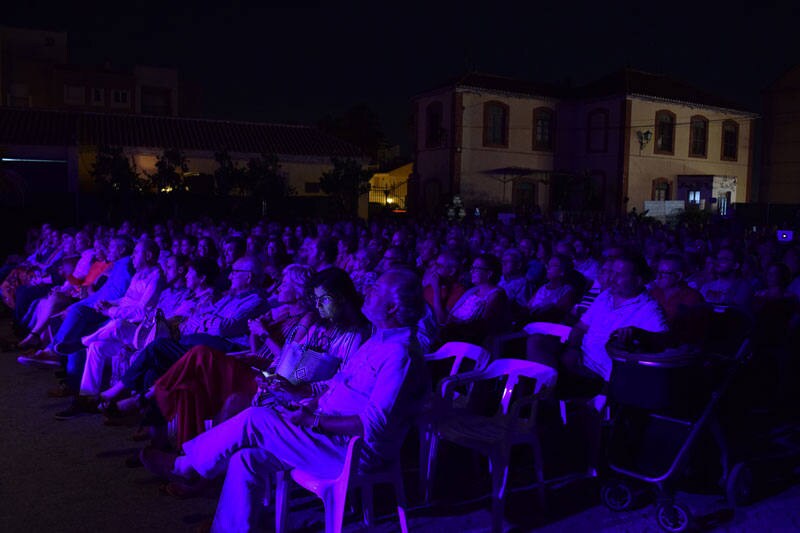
{"type": "Point", "coordinates": [608, 146]}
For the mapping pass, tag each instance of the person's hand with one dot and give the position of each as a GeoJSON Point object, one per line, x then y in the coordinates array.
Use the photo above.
{"type": "Point", "coordinates": [625, 335]}
{"type": "Point", "coordinates": [296, 414]}
{"type": "Point", "coordinates": [257, 326]}
{"type": "Point", "coordinates": [103, 305]}
{"type": "Point", "coordinates": [434, 281]}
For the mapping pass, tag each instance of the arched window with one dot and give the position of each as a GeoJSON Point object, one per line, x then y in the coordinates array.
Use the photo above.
{"type": "Point", "coordinates": [543, 129]}
{"type": "Point", "coordinates": [660, 190]}
{"type": "Point", "coordinates": [698, 136]}
{"type": "Point", "coordinates": [597, 131]}
{"type": "Point", "coordinates": [495, 124]}
{"type": "Point", "coordinates": [434, 132]}
{"type": "Point", "coordinates": [730, 141]}
{"type": "Point", "coordinates": [665, 132]}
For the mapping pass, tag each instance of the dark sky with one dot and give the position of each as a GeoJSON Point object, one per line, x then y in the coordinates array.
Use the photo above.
{"type": "Point", "coordinates": [296, 65]}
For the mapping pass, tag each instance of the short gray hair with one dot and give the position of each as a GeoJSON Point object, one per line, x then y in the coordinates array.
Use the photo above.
{"type": "Point", "coordinates": [405, 289]}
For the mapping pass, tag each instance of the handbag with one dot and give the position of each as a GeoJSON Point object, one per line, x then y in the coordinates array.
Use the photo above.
{"type": "Point", "coordinates": [303, 363]}
{"type": "Point", "coordinates": [154, 326]}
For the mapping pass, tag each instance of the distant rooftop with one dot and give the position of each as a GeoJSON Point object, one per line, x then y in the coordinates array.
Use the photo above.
{"type": "Point", "coordinates": [625, 81]}
{"type": "Point", "coordinates": [62, 128]}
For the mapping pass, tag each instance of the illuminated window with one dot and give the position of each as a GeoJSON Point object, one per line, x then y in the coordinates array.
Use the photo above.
{"type": "Point", "coordinates": [694, 197]}
{"type": "Point", "coordinates": [660, 192]}
{"type": "Point", "coordinates": [597, 131]}
{"type": "Point", "coordinates": [495, 124]}
{"type": "Point", "coordinates": [698, 136]}
{"type": "Point", "coordinates": [665, 133]}
{"type": "Point", "coordinates": [434, 132]}
{"type": "Point", "coordinates": [730, 140]}
{"type": "Point", "coordinates": [543, 129]}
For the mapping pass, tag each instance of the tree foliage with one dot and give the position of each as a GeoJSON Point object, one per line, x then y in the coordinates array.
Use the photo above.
{"type": "Point", "coordinates": [228, 175]}
{"type": "Point", "coordinates": [170, 167]}
{"type": "Point", "coordinates": [114, 174]}
{"type": "Point", "coordinates": [344, 183]}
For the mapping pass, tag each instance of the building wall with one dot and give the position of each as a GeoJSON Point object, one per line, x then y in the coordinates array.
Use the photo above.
{"type": "Point", "coordinates": [480, 188]}
{"type": "Point", "coordinates": [593, 154]}
{"type": "Point", "coordinates": [781, 171]}
{"type": "Point", "coordinates": [645, 165]}
{"type": "Point", "coordinates": [433, 166]}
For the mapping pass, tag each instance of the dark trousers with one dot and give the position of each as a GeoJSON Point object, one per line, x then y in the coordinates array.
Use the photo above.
{"type": "Point", "coordinates": [158, 356]}
{"type": "Point", "coordinates": [25, 296]}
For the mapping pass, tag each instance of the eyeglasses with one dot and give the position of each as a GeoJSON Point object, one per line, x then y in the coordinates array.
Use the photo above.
{"type": "Point", "coordinates": [324, 299]}
{"type": "Point", "coordinates": [240, 270]}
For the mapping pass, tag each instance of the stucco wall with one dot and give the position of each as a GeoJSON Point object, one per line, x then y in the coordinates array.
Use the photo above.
{"type": "Point", "coordinates": [645, 165]}
{"type": "Point", "coordinates": [477, 187]}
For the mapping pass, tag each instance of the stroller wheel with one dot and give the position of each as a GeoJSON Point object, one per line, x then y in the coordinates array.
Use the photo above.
{"type": "Point", "coordinates": [739, 485]}
{"type": "Point", "coordinates": [674, 517]}
{"type": "Point", "coordinates": [616, 495]}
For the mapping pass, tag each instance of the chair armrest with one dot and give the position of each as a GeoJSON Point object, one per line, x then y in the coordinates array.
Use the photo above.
{"type": "Point", "coordinates": [549, 328]}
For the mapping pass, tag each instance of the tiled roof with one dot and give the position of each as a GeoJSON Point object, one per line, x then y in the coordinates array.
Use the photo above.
{"type": "Point", "coordinates": [503, 84]}
{"type": "Point", "coordinates": [61, 128]}
{"type": "Point", "coordinates": [621, 82]}
{"type": "Point", "coordinates": [637, 82]}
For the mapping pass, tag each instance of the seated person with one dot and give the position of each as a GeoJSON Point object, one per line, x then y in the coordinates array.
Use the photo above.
{"type": "Point", "coordinates": [85, 316]}
{"type": "Point", "coordinates": [441, 287]}
{"type": "Point", "coordinates": [482, 310]}
{"type": "Point", "coordinates": [728, 288]}
{"type": "Point", "coordinates": [514, 282]}
{"type": "Point", "coordinates": [678, 300]}
{"type": "Point", "coordinates": [188, 287]}
{"type": "Point", "coordinates": [624, 312]}
{"type": "Point", "coordinates": [205, 384]}
{"type": "Point", "coordinates": [377, 394]}
{"type": "Point", "coordinates": [221, 325]}
{"type": "Point", "coordinates": [554, 299]}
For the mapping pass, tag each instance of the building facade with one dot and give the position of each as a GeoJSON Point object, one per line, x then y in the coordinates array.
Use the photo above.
{"type": "Point", "coordinates": [606, 147]}
{"type": "Point", "coordinates": [35, 71]}
{"type": "Point", "coordinates": [780, 176]}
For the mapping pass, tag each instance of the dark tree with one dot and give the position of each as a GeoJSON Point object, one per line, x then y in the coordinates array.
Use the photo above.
{"type": "Point", "coordinates": [265, 181]}
{"type": "Point", "coordinates": [344, 184]}
{"type": "Point", "coordinates": [170, 167]}
{"type": "Point", "coordinates": [116, 180]}
{"type": "Point", "coordinates": [228, 174]}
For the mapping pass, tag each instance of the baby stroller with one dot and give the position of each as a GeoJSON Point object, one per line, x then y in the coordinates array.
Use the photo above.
{"type": "Point", "coordinates": [661, 405]}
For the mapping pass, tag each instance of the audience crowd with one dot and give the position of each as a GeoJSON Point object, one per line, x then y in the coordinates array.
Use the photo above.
{"type": "Point", "coordinates": [199, 324]}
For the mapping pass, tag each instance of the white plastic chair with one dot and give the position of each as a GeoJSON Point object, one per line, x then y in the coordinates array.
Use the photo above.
{"type": "Point", "coordinates": [333, 492]}
{"type": "Point", "coordinates": [459, 351]}
{"type": "Point", "coordinates": [549, 328]}
{"type": "Point", "coordinates": [494, 436]}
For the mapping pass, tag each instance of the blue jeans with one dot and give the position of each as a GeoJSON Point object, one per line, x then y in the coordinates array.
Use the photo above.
{"type": "Point", "coordinates": [80, 320]}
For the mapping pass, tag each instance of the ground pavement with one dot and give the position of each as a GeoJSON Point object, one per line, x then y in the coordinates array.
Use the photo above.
{"type": "Point", "coordinates": [69, 476]}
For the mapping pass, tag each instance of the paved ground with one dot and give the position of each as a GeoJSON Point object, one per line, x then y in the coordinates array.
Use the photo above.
{"type": "Point", "coordinates": [70, 477]}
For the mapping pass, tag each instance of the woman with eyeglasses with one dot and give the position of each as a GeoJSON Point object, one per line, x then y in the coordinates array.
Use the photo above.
{"type": "Point", "coordinates": [482, 310]}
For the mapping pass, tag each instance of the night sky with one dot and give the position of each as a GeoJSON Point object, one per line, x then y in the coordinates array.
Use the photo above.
{"type": "Point", "coordinates": [297, 65]}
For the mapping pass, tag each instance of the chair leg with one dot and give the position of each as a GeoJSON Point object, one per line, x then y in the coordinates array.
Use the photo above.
{"type": "Point", "coordinates": [281, 501]}
{"type": "Point", "coordinates": [430, 469]}
{"type": "Point", "coordinates": [400, 496]}
{"type": "Point", "coordinates": [367, 507]}
{"type": "Point", "coordinates": [424, 453]}
{"type": "Point", "coordinates": [538, 465]}
{"type": "Point", "coordinates": [499, 467]}
{"type": "Point", "coordinates": [334, 510]}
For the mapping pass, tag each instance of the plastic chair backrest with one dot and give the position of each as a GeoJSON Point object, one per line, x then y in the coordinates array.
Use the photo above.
{"type": "Point", "coordinates": [549, 328]}
{"type": "Point", "coordinates": [461, 351]}
{"type": "Point", "coordinates": [515, 368]}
